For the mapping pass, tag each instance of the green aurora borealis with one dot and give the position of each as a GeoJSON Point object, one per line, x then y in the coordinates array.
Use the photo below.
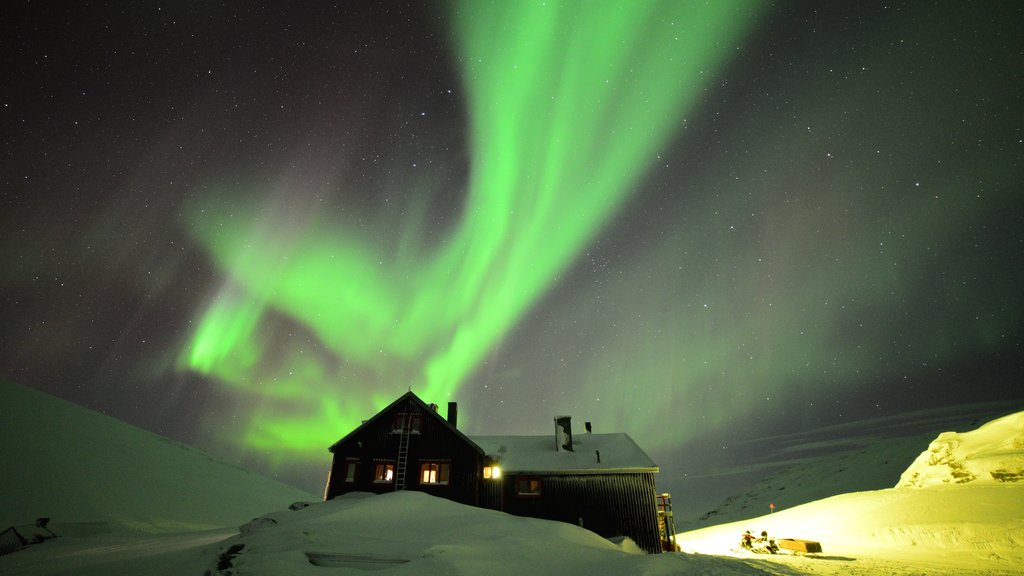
{"type": "Point", "coordinates": [568, 105]}
{"type": "Point", "coordinates": [250, 227]}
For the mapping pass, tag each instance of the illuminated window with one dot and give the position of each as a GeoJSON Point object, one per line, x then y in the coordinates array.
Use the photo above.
{"type": "Point", "coordinates": [350, 471]}
{"type": "Point", "coordinates": [434, 473]}
{"type": "Point", "coordinates": [384, 472]}
{"type": "Point", "coordinates": [402, 419]}
{"type": "Point", "coordinates": [492, 472]}
{"type": "Point", "coordinates": [528, 486]}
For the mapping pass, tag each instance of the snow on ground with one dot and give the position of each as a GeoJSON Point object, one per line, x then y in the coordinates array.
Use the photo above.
{"type": "Point", "coordinates": [415, 533]}
{"type": "Point", "coordinates": [935, 522]}
{"type": "Point", "coordinates": [401, 533]}
{"type": "Point", "coordinates": [89, 472]}
{"type": "Point", "coordinates": [793, 469]}
{"type": "Point", "coordinates": [145, 505]}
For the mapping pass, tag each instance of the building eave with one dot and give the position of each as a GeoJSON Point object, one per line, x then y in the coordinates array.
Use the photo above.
{"type": "Point", "coordinates": [579, 472]}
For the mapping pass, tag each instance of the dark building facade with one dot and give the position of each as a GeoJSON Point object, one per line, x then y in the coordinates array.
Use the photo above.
{"type": "Point", "coordinates": [603, 482]}
{"type": "Point", "coordinates": [408, 446]}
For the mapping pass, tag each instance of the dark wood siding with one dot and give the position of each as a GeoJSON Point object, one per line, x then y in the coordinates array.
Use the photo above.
{"type": "Point", "coordinates": [435, 442]}
{"type": "Point", "coordinates": [608, 504]}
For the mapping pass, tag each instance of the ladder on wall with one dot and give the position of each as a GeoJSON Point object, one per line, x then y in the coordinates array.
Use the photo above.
{"type": "Point", "coordinates": [403, 451]}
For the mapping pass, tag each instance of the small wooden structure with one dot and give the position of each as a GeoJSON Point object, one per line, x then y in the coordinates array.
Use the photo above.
{"type": "Point", "coordinates": [799, 546]}
{"type": "Point", "coordinates": [603, 482]}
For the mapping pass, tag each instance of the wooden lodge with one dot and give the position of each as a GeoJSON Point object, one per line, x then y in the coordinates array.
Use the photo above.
{"type": "Point", "coordinates": [603, 482]}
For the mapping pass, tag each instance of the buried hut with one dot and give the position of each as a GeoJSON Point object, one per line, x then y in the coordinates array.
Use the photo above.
{"type": "Point", "coordinates": [603, 482]}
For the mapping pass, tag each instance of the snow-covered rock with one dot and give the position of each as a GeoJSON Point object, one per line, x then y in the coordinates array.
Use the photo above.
{"type": "Point", "coordinates": [994, 453]}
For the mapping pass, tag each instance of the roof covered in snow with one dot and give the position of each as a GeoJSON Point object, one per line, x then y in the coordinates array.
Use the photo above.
{"type": "Point", "coordinates": [537, 454]}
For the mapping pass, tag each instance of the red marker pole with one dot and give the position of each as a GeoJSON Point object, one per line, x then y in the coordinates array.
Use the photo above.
{"type": "Point", "coordinates": [771, 508]}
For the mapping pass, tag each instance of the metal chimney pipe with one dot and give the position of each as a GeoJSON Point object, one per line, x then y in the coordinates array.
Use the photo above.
{"type": "Point", "coordinates": [563, 433]}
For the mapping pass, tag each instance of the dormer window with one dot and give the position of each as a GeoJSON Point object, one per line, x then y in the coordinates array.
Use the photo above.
{"type": "Point", "coordinates": [403, 419]}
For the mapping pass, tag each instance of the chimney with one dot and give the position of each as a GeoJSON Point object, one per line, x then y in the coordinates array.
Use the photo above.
{"type": "Point", "coordinates": [453, 414]}
{"type": "Point", "coordinates": [563, 433]}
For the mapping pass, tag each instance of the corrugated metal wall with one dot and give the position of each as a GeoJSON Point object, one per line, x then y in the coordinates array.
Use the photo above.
{"type": "Point", "coordinates": [608, 504]}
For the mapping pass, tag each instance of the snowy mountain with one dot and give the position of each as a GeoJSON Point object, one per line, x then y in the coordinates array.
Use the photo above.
{"type": "Point", "coordinates": [791, 470]}
{"type": "Point", "coordinates": [991, 454]}
{"type": "Point", "coordinates": [88, 472]}
{"type": "Point", "coordinates": [936, 520]}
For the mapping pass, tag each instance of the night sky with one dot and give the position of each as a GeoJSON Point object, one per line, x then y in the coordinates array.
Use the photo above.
{"type": "Point", "coordinates": [250, 227]}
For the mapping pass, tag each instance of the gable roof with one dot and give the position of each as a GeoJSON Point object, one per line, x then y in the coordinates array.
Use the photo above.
{"type": "Point", "coordinates": [537, 454]}
{"type": "Point", "coordinates": [426, 410]}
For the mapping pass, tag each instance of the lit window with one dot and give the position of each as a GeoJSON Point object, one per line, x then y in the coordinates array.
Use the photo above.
{"type": "Point", "coordinates": [384, 473]}
{"type": "Point", "coordinates": [492, 472]}
{"type": "Point", "coordinates": [351, 469]}
{"type": "Point", "coordinates": [528, 486]}
{"type": "Point", "coordinates": [434, 473]}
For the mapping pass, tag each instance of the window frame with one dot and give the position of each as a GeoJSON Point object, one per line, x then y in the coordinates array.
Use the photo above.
{"type": "Point", "coordinates": [415, 426]}
{"type": "Point", "coordinates": [439, 466]}
{"type": "Point", "coordinates": [528, 480]}
{"type": "Point", "coordinates": [353, 465]}
{"type": "Point", "coordinates": [380, 472]}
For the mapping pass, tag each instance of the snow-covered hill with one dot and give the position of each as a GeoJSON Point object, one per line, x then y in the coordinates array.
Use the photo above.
{"type": "Point", "coordinates": [872, 466]}
{"type": "Point", "coordinates": [814, 465]}
{"type": "Point", "coordinates": [934, 522]}
{"type": "Point", "coordinates": [991, 454]}
{"type": "Point", "coordinates": [89, 472]}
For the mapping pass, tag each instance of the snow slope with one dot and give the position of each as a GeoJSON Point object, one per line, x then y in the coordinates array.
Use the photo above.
{"type": "Point", "coordinates": [992, 454]}
{"type": "Point", "coordinates": [418, 534]}
{"type": "Point", "coordinates": [804, 467]}
{"type": "Point", "coordinates": [89, 472]}
{"type": "Point", "coordinates": [934, 522]}
{"type": "Point", "coordinates": [401, 533]}
{"type": "Point", "coordinates": [868, 467]}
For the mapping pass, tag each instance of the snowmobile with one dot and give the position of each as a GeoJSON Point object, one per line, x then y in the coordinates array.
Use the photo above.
{"type": "Point", "coordinates": [762, 545]}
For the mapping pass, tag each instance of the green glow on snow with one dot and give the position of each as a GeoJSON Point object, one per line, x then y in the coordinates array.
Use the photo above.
{"type": "Point", "coordinates": [568, 104]}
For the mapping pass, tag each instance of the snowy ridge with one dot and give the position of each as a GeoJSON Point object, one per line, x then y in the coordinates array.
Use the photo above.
{"type": "Point", "coordinates": [91, 473]}
{"type": "Point", "coordinates": [994, 453]}
{"type": "Point", "coordinates": [791, 470]}
{"type": "Point", "coordinates": [870, 467]}
{"type": "Point", "coordinates": [957, 513]}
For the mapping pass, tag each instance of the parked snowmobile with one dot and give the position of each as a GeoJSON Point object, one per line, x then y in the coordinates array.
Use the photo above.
{"type": "Point", "coordinates": [762, 545]}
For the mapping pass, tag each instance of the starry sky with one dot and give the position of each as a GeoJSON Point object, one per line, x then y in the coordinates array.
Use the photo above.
{"type": "Point", "coordinates": [249, 227]}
